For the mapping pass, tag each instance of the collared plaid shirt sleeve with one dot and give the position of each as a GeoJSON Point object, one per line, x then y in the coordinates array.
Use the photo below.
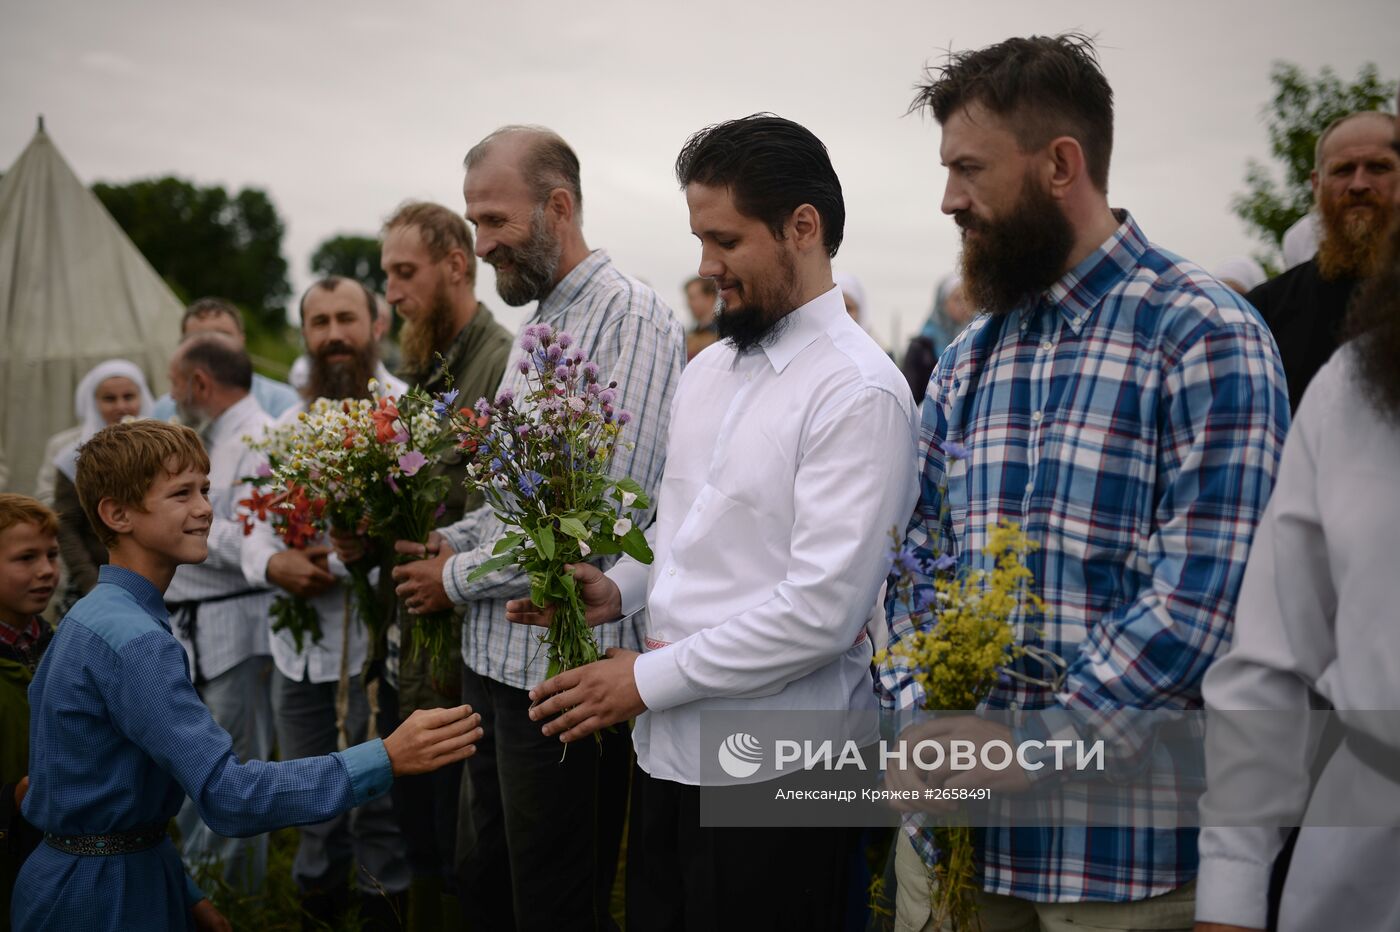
{"type": "Point", "coordinates": [636, 340]}
{"type": "Point", "coordinates": [1132, 422]}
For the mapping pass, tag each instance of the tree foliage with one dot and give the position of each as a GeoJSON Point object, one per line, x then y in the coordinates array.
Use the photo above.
{"type": "Point", "coordinates": [350, 256]}
{"type": "Point", "coordinates": [206, 241]}
{"type": "Point", "coordinates": [1300, 110]}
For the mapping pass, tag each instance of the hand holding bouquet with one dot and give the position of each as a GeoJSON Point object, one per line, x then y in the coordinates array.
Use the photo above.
{"type": "Point", "coordinates": [541, 462]}
{"type": "Point", "coordinates": [964, 641]}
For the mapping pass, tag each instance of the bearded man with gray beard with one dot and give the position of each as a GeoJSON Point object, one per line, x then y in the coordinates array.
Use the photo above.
{"type": "Point", "coordinates": [1354, 181]}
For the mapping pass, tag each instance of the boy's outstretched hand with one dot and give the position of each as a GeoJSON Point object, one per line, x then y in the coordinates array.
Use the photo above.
{"type": "Point", "coordinates": [602, 601]}
{"type": "Point", "coordinates": [433, 738]}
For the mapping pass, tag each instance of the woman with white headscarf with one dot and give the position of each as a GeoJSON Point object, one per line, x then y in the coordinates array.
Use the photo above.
{"type": "Point", "coordinates": [112, 392]}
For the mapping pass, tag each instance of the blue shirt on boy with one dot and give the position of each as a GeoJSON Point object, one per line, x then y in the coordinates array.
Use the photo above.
{"type": "Point", "coordinates": [118, 736]}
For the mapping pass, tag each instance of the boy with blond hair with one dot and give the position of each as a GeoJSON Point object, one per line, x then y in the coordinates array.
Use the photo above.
{"type": "Point", "coordinates": [118, 736]}
{"type": "Point", "coordinates": [28, 575]}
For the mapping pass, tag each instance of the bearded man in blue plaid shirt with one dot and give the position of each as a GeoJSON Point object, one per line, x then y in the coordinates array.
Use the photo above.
{"type": "Point", "coordinates": [1128, 411]}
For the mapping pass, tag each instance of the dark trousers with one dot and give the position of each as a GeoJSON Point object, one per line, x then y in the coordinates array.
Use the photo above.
{"type": "Point", "coordinates": [426, 806]}
{"type": "Point", "coordinates": [681, 876]}
{"type": "Point", "coordinates": [540, 828]}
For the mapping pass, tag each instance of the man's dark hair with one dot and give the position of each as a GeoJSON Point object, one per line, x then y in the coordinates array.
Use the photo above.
{"type": "Point", "coordinates": [226, 363]}
{"type": "Point", "coordinates": [1042, 86]}
{"type": "Point", "coordinates": [549, 163]}
{"type": "Point", "coordinates": [771, 167]}
{"type": "Point", "coordinates": [331, 283]}
{"type": "Point", "coordinates": [211, 307]}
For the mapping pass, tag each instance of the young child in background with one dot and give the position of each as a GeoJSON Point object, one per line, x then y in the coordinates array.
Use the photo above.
{"type": "Point", "coordinates": [28, 576]}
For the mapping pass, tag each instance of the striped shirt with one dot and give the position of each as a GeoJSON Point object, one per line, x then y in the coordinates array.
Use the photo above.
{"type": "Point", "coordinates": [229, 624]}
{"type": "Point", "coordinates": [622, 325]}
{"type": "Point", "coordinates": [1131, 420]}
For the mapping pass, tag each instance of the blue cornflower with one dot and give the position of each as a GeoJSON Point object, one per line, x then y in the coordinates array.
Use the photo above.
{"type": "Point", "coordinates": [945, 563]}
{"type": "Point", "coordinates": [955, 451]}
{"type": "Point", "coordinates": [529, 483]}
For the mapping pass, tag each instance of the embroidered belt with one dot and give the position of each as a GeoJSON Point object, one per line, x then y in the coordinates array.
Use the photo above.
{"type": "Point", "coordinates": [129, 842]}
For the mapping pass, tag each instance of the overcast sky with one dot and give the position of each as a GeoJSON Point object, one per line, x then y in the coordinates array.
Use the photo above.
{"type": "Point", "coordinates": [342, 110]}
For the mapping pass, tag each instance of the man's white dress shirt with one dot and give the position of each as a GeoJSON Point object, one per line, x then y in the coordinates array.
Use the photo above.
{"type": "Point", "coordinates": [787, 467]}
{"type": "Point", "coordinates": [321, 662]}
{"type": "Point", "coordinates": [231, 622]}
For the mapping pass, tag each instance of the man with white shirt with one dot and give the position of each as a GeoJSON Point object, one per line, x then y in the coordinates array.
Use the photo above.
{"type": "Point", "coordinates": [218, 617]}
{"type": "Point", "coordinates": [790, 458]}
{"type": "Point", "coordinates": [337, 323]}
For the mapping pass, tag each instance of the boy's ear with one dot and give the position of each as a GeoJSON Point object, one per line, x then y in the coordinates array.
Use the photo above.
{"type": "Point", "coordinates": [115, 515]}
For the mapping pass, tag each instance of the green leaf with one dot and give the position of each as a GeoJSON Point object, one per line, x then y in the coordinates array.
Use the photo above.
{"type": "Point", "coordinates": [509, 542]}
{"type": "Point", "coordinates": [544, 541]}
{"type": "Point", "coordinates": [634, 544]}
{"type": "Point", "coordinates": [574, 528]}
{"type": "Point", "coordinates": [495, 563]}
{"type": "Point", "coordinates": [630, 485]}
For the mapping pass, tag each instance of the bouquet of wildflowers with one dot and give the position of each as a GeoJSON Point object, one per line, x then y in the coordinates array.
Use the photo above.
{"type": "Point", "coordinates": [962, 646]}
{"type": "Point", "coordinates": [393, 447]}
{"type": "Point", "coordinates": [541, 462]}
{"type": "Point", "coordinates": [305, 489]}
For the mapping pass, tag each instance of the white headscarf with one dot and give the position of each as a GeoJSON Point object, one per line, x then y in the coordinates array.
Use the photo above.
{"type": "Point", "coordinates": [1300, 241]}
{"type": "Point", "coordinates": [89, 416]}
{"type": "Point", "coordinates": [1242, 269]}
{"type": "Point", "coordinates": [852, 288]}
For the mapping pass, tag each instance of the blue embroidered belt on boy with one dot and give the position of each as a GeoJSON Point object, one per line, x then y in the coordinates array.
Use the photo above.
{"type": "Point", "coordinates": [128, 842]}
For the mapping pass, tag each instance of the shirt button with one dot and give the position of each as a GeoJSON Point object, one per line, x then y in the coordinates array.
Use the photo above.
{"type": "Point", "coordinates": [1036, 417]}
{"type": "Point", "coordinates": [1046, 346]}
{"type": "Point", "coordinates": [671, 571]}
{"type": "Point", "coordinates": [1030, 487]}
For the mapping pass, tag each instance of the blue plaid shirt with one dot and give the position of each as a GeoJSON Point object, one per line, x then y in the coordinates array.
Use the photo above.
{"type": "Point", "coordinates": [1131, 420]}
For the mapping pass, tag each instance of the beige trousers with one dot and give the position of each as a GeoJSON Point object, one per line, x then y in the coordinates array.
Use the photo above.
{"type": "Point", "coordinates": [1170, 911]}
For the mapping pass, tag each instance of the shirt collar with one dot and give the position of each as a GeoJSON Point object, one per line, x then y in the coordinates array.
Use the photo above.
{"type": "Point", "coordinates": [564, 294]}
{"type": "Point", "coordinates": [803, 326]}
{"type": "Point", "coordinates": [144, 591]}
{"type": "Point", "coordinates": [231, 420]}
{"type": "Point", "coordinates": [1079, 291]}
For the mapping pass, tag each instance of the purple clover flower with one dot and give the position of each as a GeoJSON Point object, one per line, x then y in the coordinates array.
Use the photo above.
{"type": "Point", "coordinates": [563, 339]}
{"type": "Point", "coordinates": [554, 353]}
{"type": "Point", "coordinates": [624, 417]}
{"type": "Point", "coordinates": [590, 371]}
{"type": "Point", "coordinates": [607, 396]}
{"type": "Point", "coordinates": [528, 342]}
{"type": "Point", "coordinates": [505, 399]}
{"type": "Point", "coordinates": [523, 366]}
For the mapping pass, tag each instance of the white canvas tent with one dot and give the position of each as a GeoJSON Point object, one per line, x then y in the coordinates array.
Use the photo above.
{"type": "Point", "coordinates": [74, 291]}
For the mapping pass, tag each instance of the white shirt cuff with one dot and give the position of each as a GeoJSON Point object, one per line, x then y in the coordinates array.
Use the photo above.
{"type": "Point", "coordinates": [1233, 892]}
{"type": "Point", "coordinates": [631, 579]}
{"type": "Point", "coordinates": [659, 680]}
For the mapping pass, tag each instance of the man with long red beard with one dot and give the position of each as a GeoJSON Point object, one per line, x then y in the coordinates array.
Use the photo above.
{"type": "Point", "coordinates": [450, 341]}
{"type": "Point", "coordinates": [1354, 181]}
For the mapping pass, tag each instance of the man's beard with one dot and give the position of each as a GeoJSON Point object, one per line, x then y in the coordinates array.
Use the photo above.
{"type": "Point", "coordinates": [430, 334]}
{"type": "Point", "coordinates": [1013, 259]}
{"type": "Point", "coordinates": [1374, 320]}
{"type": "Point", "coordinates": [532, 266]}
{"type": "Point", "coordinates": [189, 415]}
{"type": "Point", "coordinates": [342, 379]}
{"type": "Point", "coordinates": [765, 311]}
{"type": "Point", "coordinates": [1352, 242]}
